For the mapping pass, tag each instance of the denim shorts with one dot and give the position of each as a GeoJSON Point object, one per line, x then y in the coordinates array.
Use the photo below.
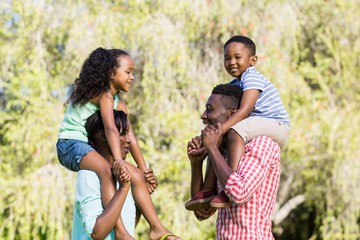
{"type": "Point", "coordinates": [70, 152]}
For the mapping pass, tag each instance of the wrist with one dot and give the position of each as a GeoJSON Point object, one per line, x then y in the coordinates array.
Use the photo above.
{"type": "Point", "coordinates": [211, 148]}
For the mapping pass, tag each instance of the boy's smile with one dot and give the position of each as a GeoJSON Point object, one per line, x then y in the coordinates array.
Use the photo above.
{"type": "Point", "coordinates": [237, 59]}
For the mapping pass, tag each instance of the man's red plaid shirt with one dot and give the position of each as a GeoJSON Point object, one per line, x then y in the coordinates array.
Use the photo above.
{"type": "Point", "coordinates": [252, 188]}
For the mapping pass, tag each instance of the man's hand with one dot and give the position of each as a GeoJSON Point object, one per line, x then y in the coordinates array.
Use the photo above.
{"type": "Point", "coordinates": [212, 136]}
{"type": "Point", "coordinates": [151, 180]}
{"type": "Point", "coordinates": [195, 150]}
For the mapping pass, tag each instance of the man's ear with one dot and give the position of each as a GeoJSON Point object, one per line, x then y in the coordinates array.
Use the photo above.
{"type": "Point", "coordinates": [232, 111]}
{"type": "Point", "coordinates": [253, 60]}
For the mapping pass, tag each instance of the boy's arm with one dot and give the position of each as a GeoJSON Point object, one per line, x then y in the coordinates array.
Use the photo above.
{"type": "Point", "coordinates": [106, 103]}
{"type": "Point", "coordinates": [247, 104]}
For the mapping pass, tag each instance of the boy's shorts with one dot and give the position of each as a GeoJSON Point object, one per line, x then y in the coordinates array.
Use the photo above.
{"type": "Point", "coordinates": [70, 152]}
{"type": "Point", "coordinates": [252, 127]}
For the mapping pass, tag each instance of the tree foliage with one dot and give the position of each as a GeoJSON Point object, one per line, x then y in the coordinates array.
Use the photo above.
{"type": "Point", "coordinates": [309, 49]}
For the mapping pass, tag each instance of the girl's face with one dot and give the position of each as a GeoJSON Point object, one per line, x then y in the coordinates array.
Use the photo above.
{"type": "Point", "coordinates": [124, 144]}
{"type": "Point", "coordinates": [123, 76]}
{"type": "Point", "coordinates": [237, 59]}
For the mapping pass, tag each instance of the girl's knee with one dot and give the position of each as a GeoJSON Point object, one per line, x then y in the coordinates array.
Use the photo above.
{"type": "Point", "coordinates": [104, 171]}
{"type": "Point", "coordinates": [136, 175]}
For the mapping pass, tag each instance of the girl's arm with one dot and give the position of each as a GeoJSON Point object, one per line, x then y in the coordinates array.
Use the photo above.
{"type": "Point", "coordinates": [106, 103]}
{"type": "Point", "coordinates": [134, 146]}
{"type": "Point", "coordinates": [247, 104]}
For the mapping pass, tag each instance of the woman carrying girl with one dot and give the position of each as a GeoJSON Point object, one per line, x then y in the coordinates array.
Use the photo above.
{"type": "Point", "coordinates": [103, 75]}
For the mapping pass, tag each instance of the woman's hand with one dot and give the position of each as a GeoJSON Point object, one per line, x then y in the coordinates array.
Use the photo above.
{"type": "Point", "coordinates": [121, 173]}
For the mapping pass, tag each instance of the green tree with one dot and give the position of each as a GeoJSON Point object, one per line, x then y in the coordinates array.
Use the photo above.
{"type": "Point", "coordinates": [310, 50]}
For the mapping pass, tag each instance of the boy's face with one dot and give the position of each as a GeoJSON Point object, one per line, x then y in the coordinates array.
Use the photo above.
{"type": "Point", "coordinates": [237, 59]}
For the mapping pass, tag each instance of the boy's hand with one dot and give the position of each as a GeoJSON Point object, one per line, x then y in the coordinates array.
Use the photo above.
{"type": "Point", "coordinates": [121, 173]}
{"type": "Point", "coordinates": [151, 180]}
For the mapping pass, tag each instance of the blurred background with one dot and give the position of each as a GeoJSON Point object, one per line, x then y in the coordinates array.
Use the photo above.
{"type": "Point", "coordinates": [310, 50]}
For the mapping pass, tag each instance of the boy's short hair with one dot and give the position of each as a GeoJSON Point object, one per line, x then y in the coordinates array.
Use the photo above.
{"type": "Point", "coordinates": [231, 95]}
{"type": "Point", "coordinates": [249, 44]}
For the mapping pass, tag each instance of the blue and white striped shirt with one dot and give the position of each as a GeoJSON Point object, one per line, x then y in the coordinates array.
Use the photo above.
{"type": "Point", "coordinates": [269, 104]}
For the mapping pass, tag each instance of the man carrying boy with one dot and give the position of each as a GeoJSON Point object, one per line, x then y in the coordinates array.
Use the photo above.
{"type": "Point", "coordinates": [252, 187]}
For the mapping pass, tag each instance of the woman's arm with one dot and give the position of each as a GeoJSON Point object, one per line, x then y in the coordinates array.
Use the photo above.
{"type": "Point", "coordinates": [93, 220]}
{"type": "Point", "coordinates": [106, 221]}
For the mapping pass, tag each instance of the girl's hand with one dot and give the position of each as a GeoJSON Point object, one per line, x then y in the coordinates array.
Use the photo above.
{"type": "Point", "coordinates": [151, 180]}
{"type": "Point", "coordinates": [121, 173]}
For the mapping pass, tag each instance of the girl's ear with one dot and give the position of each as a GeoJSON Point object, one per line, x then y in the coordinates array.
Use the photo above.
{"type": "Point", "coordinates": [253, 60]}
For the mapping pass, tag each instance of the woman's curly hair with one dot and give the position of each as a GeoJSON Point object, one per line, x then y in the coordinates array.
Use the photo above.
{"type": "Point", "coordinates": [95, 75]}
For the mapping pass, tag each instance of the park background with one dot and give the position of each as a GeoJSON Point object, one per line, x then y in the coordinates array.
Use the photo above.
{"type": "Point", "coordinates": [309, 49]}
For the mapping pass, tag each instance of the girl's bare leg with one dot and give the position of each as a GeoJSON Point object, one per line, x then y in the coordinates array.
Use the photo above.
{"type": "Point", "coordinates": [93, 161]}
{"type": "Point", "coordinates": [144, 203]}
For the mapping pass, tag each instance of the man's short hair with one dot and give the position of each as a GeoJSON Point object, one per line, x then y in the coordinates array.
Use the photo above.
{"type": "Point", "coordinates": [231, 95]}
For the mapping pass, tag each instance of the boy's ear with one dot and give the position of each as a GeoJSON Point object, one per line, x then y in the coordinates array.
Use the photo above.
{"type": "Point", "coordinates": [253, 60]}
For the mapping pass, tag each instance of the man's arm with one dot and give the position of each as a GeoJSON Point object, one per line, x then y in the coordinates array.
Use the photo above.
{"type": "Point", "coordinates": [196, 154]}
{"type": "Point", "coordinates": [211, 136]}
{"type": "Point", "coordinates": [261, 154]}
{"type": "Point", "coordinates": [255, 163]}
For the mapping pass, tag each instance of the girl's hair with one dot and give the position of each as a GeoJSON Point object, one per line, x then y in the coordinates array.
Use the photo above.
{"type": "Point", "coordinates": [95, 126]}
{"type": "Point", "coordinates": [249, 44]}
{"type": "Point", "coordinates": [231, 95]}
{"type": "Point", "coordinates": [95, 75]}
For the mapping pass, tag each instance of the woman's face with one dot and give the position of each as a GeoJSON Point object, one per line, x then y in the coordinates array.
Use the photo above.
{"type": "Point", "coordinates": [123, 76]}
{"type": "Point", "coordinates": [124, 143]}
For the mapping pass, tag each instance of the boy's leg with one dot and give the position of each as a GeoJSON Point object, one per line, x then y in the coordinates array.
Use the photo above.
{"type": "Point", "coordinates": [203, 198]}
{"type": "Point", "coordinates": [144, 202]}
{"type": "Point", "coordinates": [95, 162]}
{"type": "Point", "coordinates": [222, 200]}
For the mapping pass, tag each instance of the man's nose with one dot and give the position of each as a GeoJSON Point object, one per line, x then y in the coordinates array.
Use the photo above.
{"type": "Point", "coordinates": [203, 115]}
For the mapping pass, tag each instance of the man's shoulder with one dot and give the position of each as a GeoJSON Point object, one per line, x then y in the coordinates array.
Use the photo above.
{"type": "Point", "coordinates": [264, 142]}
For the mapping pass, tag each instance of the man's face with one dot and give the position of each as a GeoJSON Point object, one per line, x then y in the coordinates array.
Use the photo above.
{"type": "Point", "coordinates": [215, 112]}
